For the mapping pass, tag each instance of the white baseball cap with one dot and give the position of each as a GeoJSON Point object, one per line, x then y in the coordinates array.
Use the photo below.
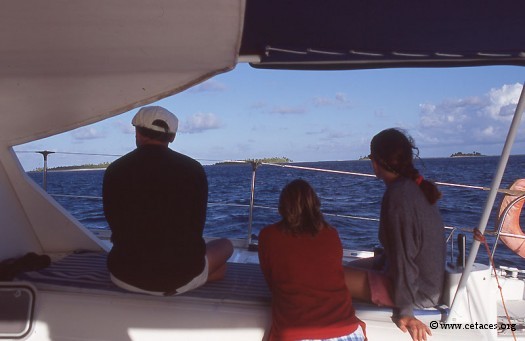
{"type": "Point", "coordinates": [156, 118]}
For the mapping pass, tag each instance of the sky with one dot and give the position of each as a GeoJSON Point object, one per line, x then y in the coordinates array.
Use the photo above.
{"type": "Point", "coordinates": [314, 116]}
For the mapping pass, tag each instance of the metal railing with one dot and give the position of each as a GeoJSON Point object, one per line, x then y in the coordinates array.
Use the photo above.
{"type": "Point", "coordinates": [257, 163]}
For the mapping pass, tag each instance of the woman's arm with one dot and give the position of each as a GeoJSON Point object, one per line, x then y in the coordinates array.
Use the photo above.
{"type": "Point", "coordinates": [401, 247]}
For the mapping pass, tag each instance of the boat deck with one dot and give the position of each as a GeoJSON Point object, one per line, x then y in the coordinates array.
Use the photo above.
{"type": "Point", "coordinates": [87, 272]}
{"type": "Point", "coordinates": [243, 291]}
{"type": "Point", "coordinates": [244, 283]}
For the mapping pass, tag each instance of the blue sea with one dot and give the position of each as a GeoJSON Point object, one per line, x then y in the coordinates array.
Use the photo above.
{"type": "Point", "coordinates": [356, 198]}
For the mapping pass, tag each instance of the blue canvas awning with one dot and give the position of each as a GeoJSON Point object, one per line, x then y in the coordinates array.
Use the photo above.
{"type": "Point", "coordinates": [358, 34]}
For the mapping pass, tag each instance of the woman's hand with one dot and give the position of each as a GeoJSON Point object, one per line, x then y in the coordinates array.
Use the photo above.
{"type": "Point", "coordinates": [417, 329]}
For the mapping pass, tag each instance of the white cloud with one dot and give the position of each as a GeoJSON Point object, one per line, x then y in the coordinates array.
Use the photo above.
{"type": "Point", "coordinates": [503, 101]}
{"type": "Point", "coordinates": [87, 133]}
{"type": "Point", "coordinates": [488, 132]}
{"type": "Point", "coordinates": [338, 135]}
{"type": "Point", "coordinates": [209, 86]}
{"type": "Point", "coordinates": [327, 134]}
{"type": "Point", "coordinates": [380, 114]}
{"type": "Point", "coordinates": [288, 110]}
{"type": "Point", "coordinates": [322, 101]}
{"type": "Point", "coordinates": [477, 120]}
{"type": "Point", "coordinates": [258, 105]}
{"type": "Point", "coordinates": [339, 99]}
{"type": "Point", "coordinates": [125, 127]}
{"type": "Point", "coordinates": [200, 122]}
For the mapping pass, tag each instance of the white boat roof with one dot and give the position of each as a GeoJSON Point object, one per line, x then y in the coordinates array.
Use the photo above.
{"type": "Point", "coordinates": [68, 64]}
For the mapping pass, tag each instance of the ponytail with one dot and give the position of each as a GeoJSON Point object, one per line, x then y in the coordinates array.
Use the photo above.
{"type": "Point", "coordinates": [393, 150]}
{"type": "Point", "coordinates": [429, 189]}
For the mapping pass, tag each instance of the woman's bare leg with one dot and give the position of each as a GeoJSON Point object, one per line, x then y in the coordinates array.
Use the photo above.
{"type": "Point", "coordinates": [357, 283]}
{"type": "Point", "coordinates": [356, 278]}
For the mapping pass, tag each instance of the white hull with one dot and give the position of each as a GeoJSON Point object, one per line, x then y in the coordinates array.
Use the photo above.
{"type": "Point", "coordinates": [90, 317]}
{"type": "Point", "coordinates": [75, 316]}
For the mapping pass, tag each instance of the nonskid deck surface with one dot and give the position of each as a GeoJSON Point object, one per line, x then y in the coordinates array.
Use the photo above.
{"type": "Point", "coordinates": [87, 272]}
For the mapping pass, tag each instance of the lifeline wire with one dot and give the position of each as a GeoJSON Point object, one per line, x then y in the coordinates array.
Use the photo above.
{"type": "Point", "coordinates": [505, 191]}
{"type": "Point", "coordinates": [501, 190]}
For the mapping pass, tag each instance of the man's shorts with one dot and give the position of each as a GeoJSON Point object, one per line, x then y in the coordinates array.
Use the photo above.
{"type": "Point", "coordinates": [196, 282]}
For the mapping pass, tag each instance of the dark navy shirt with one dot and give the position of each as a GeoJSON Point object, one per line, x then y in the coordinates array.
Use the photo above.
{"type": "Point", "coordinates": [155, 202]}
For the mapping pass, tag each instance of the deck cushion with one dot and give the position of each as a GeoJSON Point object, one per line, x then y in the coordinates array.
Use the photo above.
{"type": "Point", "coordinates": [87, 272]}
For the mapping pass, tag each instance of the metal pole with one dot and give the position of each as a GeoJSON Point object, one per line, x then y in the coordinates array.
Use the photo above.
{"type": "Point", "coordinates": [45, 153]}
{"type": "Point", "coordinates": [255, 164]}
{"type": "Point", "coordinates": [511, 136]}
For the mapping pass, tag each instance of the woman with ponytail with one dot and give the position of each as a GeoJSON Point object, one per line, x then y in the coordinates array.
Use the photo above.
{"type": "Point", "coordinates": [410, 271]}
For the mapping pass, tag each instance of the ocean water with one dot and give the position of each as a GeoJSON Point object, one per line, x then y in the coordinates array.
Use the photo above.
{"type": "Point", "coordinates": [350, 203]}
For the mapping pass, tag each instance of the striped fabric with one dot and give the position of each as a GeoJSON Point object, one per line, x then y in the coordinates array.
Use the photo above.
{"type": "Point", "coordinates": [87, 272]}
{"type": "Point", "coordinates": [358, 335]}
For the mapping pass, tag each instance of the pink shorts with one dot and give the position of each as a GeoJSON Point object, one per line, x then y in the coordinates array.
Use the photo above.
{"type": "Point", "coordinates": [380, 289]}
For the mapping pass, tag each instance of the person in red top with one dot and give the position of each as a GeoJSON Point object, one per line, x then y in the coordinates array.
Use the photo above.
{"type": "Point", "coordinates": [301, 259]}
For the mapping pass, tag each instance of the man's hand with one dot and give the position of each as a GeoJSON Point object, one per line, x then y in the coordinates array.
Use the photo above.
{"type": "Point", "coordinates": [417, 329]}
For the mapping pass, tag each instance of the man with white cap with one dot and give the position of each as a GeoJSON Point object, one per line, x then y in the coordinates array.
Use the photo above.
{"type": "Point", "coordinates": [155, 203]}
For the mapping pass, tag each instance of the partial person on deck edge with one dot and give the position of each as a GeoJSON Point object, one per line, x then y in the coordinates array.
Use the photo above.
{"type": "Point", "coordinates": [410, 272]}
{"type": "Point", "coordinates": [155, 203]}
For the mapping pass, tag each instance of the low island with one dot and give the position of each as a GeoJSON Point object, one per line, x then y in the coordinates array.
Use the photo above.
{"type": "Point", "coordinates": [460, 154]}
{"type": "Point", "coordinates": [103, 165]}
{"type": "Point", "coordinates": [264, 160]}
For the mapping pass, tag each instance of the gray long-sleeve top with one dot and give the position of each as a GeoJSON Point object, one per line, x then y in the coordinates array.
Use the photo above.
{"type": "Point", "coordinates": [412, 235]}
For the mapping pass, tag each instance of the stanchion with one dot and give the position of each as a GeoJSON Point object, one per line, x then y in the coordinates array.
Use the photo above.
{"type": "Point", "coordinates": [45, 153]}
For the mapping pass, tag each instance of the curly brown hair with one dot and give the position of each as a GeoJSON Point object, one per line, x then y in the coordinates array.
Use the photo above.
{"type": "Point", "coordinates": [300, 208]}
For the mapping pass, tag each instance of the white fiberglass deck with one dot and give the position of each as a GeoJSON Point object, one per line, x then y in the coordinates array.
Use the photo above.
{"type": "Point", "coordinates": [240, 304]}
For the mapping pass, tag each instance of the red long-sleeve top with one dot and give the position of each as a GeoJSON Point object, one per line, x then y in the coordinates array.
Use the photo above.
{"type": "Point", "coordinates": [306, 278]}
